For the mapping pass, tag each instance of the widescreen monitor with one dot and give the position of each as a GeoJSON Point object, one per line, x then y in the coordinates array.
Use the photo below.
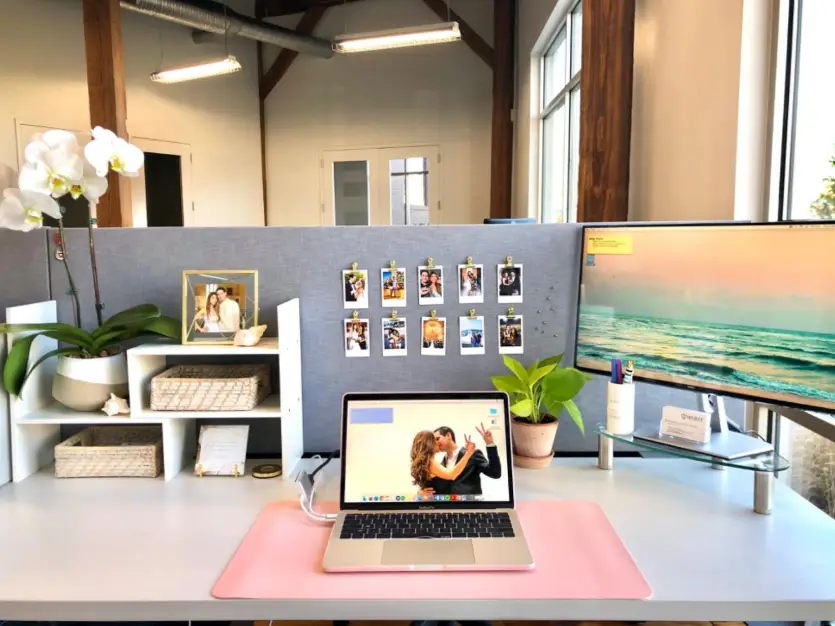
{"type": "Point", "coordinates": [742, 310]}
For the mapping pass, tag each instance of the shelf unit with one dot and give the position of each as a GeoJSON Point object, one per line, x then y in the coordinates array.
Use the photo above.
{"type": "Point", "coordinates": [35, 420]}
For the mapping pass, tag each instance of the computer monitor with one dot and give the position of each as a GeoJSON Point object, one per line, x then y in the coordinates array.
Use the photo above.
{"type": "Point", "coordinates": [738, 310]}
{"type": "Point", "coordinates": [388, 438]}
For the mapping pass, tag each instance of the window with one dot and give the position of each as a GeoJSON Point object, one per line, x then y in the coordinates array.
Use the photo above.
{"type": "Point", "coordinates": [807, 169]}
{"type": "Point", "coordinates": [409, 191]}
{"type": "Point", "coordinates": [559, 120]}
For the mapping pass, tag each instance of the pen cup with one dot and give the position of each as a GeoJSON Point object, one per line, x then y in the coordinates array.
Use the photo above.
{"type": "Point", "coordinates": [620, 409]}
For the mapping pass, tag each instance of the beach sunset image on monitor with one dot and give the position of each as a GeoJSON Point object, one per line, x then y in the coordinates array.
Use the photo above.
{"type": "Point", "coordinates": [745, 310]}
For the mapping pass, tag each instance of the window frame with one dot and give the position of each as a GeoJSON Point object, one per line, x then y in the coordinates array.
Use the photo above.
{"type": "Point", "coordinates": [562, 19]}
{"type": "Point", "coordinates": [783, 136]}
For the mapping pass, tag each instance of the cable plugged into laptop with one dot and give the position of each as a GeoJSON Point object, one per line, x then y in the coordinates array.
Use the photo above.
{"type": "Point", "coordinates": [307, 489]}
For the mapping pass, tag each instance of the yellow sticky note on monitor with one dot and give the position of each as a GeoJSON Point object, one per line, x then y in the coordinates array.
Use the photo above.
{"type": "Point", "coordinates": [609, 244]}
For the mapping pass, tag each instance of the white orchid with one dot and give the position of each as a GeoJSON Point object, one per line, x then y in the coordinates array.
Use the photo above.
{"type": "Point", "coordinates": [51, 169]}
{"type": "Point", "coordinates": [90, 185]}
{"type": "Point", "coordinates": [24, 210]}
{"type": "Point", "coordinates": [42, 143]}
{"type": "Point", "coordinates": [108, 151]}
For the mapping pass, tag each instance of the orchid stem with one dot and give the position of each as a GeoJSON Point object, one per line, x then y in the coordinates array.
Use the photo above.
{"type": "Point", "coordinates": [99, 306]}
{"type": "Point", "coordinates": [73, 292]}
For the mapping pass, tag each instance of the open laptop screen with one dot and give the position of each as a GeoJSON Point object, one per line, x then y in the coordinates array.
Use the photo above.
{"type": "Point", "coordinates": [411, 451]}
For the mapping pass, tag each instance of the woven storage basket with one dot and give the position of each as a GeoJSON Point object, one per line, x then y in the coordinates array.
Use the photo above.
{"type": "Point", "coordinates": [210, 388]}
{"type": "Point", "coordinates": [114, 451]}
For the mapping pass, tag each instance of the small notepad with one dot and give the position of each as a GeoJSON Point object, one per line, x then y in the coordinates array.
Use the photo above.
{"type": "Point", "coordinates": [221, 450]}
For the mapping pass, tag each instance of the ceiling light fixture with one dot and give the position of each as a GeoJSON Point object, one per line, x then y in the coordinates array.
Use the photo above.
{"type": "Point", "coordinates": [229, 65]}
{"type": "Point", "coordinates": [397, 38]}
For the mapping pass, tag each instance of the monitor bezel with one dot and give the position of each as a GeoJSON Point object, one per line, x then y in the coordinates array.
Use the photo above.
{"type": "Point", "coordinates": [638, 377]}
{"type": "Point", "coordinates": [431, 505]}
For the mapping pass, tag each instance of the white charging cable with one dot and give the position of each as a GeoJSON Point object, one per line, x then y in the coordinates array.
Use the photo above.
{"type": "Point", "coordinates": [307, 487]}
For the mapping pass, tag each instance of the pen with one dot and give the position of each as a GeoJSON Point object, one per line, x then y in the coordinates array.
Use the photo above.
{"type": "Point", "coordinates": [628, 373]}
{"type": "Point", "coordinates": [615, 371]}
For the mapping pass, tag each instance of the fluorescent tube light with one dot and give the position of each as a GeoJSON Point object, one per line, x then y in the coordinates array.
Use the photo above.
{"type": "Point", "coordinates": [229, 65]}
{"type": "Point", "coordinates": [397, 38]}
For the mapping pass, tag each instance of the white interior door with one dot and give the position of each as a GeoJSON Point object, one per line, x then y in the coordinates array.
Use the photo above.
{"type": "Point", "coordinates": [138, 185]}
{"type": "Point", "coordinates": [381, 186]}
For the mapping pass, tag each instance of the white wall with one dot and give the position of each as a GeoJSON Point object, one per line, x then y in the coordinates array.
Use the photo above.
{"type": "Point", "coordinates": [435, 95]}
{"type": "Point", "coordinates": [684, 107]}
{"type": "Point", "coordinates": [44, 82]}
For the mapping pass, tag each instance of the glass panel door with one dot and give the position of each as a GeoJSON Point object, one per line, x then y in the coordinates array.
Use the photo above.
{"type": "Point", "coordinates": [381, 186]}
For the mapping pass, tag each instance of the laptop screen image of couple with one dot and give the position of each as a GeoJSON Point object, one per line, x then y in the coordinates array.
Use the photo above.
{"type": "Point", "coordinates": [427, 484]}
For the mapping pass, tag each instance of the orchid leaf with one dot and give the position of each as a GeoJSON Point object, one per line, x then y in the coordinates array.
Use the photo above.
{"type": "Point", "coordinates": [14, 371]}
{"type": "Point", "coordinates": [128, 318]}
{"type": "Point", "coordinates": [62, 332]}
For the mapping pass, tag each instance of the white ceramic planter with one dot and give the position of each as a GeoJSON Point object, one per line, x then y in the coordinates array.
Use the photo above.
{"type": "Point", "coordinates": [85, 384]}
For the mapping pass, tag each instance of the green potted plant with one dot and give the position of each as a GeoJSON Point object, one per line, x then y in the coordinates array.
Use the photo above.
{"type": "Point", "coordinates": [91, 364]}
{"type": "Point", "coordinates": [539, 395]}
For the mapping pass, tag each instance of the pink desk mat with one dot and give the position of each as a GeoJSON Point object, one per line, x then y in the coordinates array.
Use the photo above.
{"type": "Point", "coordinates": [578, 555]}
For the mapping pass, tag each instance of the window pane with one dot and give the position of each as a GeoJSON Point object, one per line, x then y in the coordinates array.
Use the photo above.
{"type": "Point", "coordinates": [555, 66]}
{"type": "Point", "coordinates": [573, 154]}
{"type": "Point", "coordinates": [350, 193]}
{"type": "Point", "coordinates": [408, 191]}
{"type": "Point", "coordinates": [553, 166]}
{"type": "Point", "coordinates": [813, 152]}
{"type": "Point", "coordinates": [576, 38]}
{"type": "Point", "coordinates": [416, 164]}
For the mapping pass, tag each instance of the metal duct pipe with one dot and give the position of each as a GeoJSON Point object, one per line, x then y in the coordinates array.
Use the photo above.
{"type": "Point", "coordinates": [232, 23]}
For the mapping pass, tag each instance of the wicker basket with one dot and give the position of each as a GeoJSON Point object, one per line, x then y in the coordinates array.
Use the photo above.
{"type": "Point", "coordinates": [114, 451]}
{"type": "Point", "coordinates": [210, 388]}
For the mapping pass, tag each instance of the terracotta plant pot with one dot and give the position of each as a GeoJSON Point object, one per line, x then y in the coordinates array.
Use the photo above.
{"type": "Point", "coordinates": [533, 444]}
{"type": "Point", "coordinates": [85, 384]}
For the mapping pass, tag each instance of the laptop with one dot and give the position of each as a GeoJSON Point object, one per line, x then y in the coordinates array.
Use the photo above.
{"type": "Point", "coordinates": [414, 496]}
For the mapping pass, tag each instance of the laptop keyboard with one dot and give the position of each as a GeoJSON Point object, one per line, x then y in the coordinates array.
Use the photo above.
{"type": "Point", "coordinates": [426, 525]}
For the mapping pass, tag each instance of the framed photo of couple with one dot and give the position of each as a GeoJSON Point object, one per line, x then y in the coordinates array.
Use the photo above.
{"type": "Point", "coordinates": [217, 304]}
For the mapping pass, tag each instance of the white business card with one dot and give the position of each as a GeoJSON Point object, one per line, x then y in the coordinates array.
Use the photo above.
{"type": "Point", "coordinates": [685, 424]}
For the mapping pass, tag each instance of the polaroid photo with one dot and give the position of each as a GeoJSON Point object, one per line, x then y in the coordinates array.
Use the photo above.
{"type": "Point", "coordinates": [470, 284]}
{"type": "Point", "coordinates": [430, 285]}
{"type": "Point", "coordinates": [433, 336]}
{"type": "Point", "coordinates": [394, 337]}
{"type": "Point", "coordinates": [357, 338]}
{"type": "Point", "coordinates": [471, 334]}
{"type": "Point", "coordinates": [393, 281]}
{"type": "Point", "coordinates": [510, 335]}
{"type": "Point", "coordinates": [355, 289]}
{"type": "Point", "coordinates": [510, 283]}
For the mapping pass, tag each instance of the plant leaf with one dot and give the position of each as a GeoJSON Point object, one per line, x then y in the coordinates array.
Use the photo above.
{"type": "Point", "coordinates": [563, 384]}
{"type": "Point", "coordinates": [162, 326]}
{"type": "Point", "coordinates": [574, 412]}
{"type": "Point", "coordinates": [103, 341]}
{"type": "Point", "coordinates": [14, 371]}
{"type": "Point", "coordinates": [540, 373]}
{"type": "Point", "coordinates": [62, 332]}
{"type": "Point", "coordinates": [533, 367]}
{"type": "Point", "coordinates": [523, 408]}
{"type": "Point", "coordinates": [509, 384]}
{"type": "Point", "coordinates": [517, 368]}
{"type": "Point", "coordinates": [555, 360]}
{"type": "Point", "coordinates": [554, 408]}
{"type": "Point", "coordinates": [127, 318]}
{"type": "Point", "coordinates": [43, 358]}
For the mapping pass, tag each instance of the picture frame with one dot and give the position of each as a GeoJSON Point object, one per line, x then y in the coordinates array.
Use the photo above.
{"type": "Point", "coordinates": [206, 319]}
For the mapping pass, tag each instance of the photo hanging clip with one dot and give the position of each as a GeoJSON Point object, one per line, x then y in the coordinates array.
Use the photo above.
{"type": "Point", "coordinates": [510, 311]}
{"type": "Point", "coordinates": [430, 263]}
{"type": "Point", "coordinates": [469, 261]}
{"type": "Point", "coordinates": [394, 314]}
{"type": "Point", "coordinates": [356, 315]}
{"type": "Point", "coordinates": [471, 314]}
{"type": "Point", "coordinates": [433, 314]}
{"type": "Point", "coordinates": [508, 262]}
{"type": "Point", "coordinates": [392, 265]}
{"type": "Point", "coordinates": [355, 266]}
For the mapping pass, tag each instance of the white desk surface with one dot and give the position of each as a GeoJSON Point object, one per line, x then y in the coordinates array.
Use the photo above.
{"type": "Point", "coordinates": [136, 549]}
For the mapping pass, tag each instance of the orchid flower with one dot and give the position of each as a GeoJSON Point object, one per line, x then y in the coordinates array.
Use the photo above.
{"type": "Point", "coordinates": [24, 210]}
{"type": "Point", "coordinates": [108, 151]}
{"type": "Point", "coordinates": [51, 169]}
{"type": "Point", "coordinates": [90, 185]}
{"type": "Point", "coordinates": [42, 143]}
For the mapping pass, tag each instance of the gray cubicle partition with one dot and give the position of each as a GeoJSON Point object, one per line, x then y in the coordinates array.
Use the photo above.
{"type": "Point", "coordinates": [24, 270]}
{"type": "Point", "coordinates": [146, 264]}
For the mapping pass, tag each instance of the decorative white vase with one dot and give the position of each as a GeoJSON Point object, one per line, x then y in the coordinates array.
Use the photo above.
{"type": "Point", "coordinates": [85, 384]}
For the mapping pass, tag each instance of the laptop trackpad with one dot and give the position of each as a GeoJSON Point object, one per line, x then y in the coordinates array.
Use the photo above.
{"type": "Point", "coordinates": [428, 552]}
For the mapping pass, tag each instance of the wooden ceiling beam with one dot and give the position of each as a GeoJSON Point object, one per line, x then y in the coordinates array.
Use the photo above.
{"type": "Point", "coordinates": [501, 144]}
{"type": "Point", "coordinates": [286, 57]}
{"type": "Point", "coordinates": [468, 33]}
{"type": "Point", "coordinates": [108, 102]}
{"type": "Point", "coordinates": [279, 8]}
